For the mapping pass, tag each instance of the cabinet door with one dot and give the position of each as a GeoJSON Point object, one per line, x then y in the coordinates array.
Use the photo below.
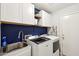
{"type": "Point", "coordinates": [10, 12]}
{"type": "Point", "coordinates": [46, 18]}
{"type": "Point", "coordinates": [46, 49]}
{"type": "Point", "coordinates": [26, 51]}
{"type": "Point", "coordinates": [28, 13]}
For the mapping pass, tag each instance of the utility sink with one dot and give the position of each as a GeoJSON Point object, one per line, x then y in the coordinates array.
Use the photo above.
{"type": "Point", "coordinates": [14, 46]}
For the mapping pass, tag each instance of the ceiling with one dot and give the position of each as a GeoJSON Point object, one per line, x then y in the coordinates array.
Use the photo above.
{"type": "Point", "coordinates": [51, 7]}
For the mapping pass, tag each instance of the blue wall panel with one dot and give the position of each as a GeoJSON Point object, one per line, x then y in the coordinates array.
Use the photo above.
{"type": "Point", "coordinates": [11, 31]}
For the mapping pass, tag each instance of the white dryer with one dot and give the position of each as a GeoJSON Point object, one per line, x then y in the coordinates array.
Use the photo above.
{"type": "Point", "coordinates": [56, 45]}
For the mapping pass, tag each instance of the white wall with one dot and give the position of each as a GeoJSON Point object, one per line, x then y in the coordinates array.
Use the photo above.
{"type": "Point", "coordinates": [57, 17]}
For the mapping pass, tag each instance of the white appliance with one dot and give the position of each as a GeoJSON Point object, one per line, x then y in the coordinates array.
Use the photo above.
{"type": "Point", "coordinates": [56, 48]}
{"type": "Point", "coordinates": [55, 43]}
{"type": "Point", "coordinates": [41, 46]}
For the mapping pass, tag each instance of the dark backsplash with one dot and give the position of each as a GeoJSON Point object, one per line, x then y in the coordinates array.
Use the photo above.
{"type": "Point", "coordinates": [11, 31]}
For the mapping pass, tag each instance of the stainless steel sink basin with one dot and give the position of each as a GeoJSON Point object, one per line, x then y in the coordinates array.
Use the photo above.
{"type": "Point", "coordinates": [14, 46]}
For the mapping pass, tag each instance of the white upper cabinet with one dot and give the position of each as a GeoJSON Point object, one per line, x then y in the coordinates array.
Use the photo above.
{"type": "Point", "coordinates": [18, 12]}
{"type": "Point", "coordinates": [45, 19]}
{"type": "Point", "coordinates": [28, 13]}
{"type": "Point", "coordinates": [10, 12]}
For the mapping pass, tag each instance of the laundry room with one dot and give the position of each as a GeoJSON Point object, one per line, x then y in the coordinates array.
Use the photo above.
{"type": "Point", "coordinates": [39, 29]}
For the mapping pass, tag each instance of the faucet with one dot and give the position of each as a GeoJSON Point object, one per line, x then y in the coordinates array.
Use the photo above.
{"type": "Point", "coordinates": [19, 35]}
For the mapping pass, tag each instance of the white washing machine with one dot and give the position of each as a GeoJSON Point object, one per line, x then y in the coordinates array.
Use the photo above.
{"type": "Point", "coordinates": [56, 48]}
{"type": "Point", "coordinates": [55, 44]}
{"type": "Point", "coordinates": [41, 46]}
